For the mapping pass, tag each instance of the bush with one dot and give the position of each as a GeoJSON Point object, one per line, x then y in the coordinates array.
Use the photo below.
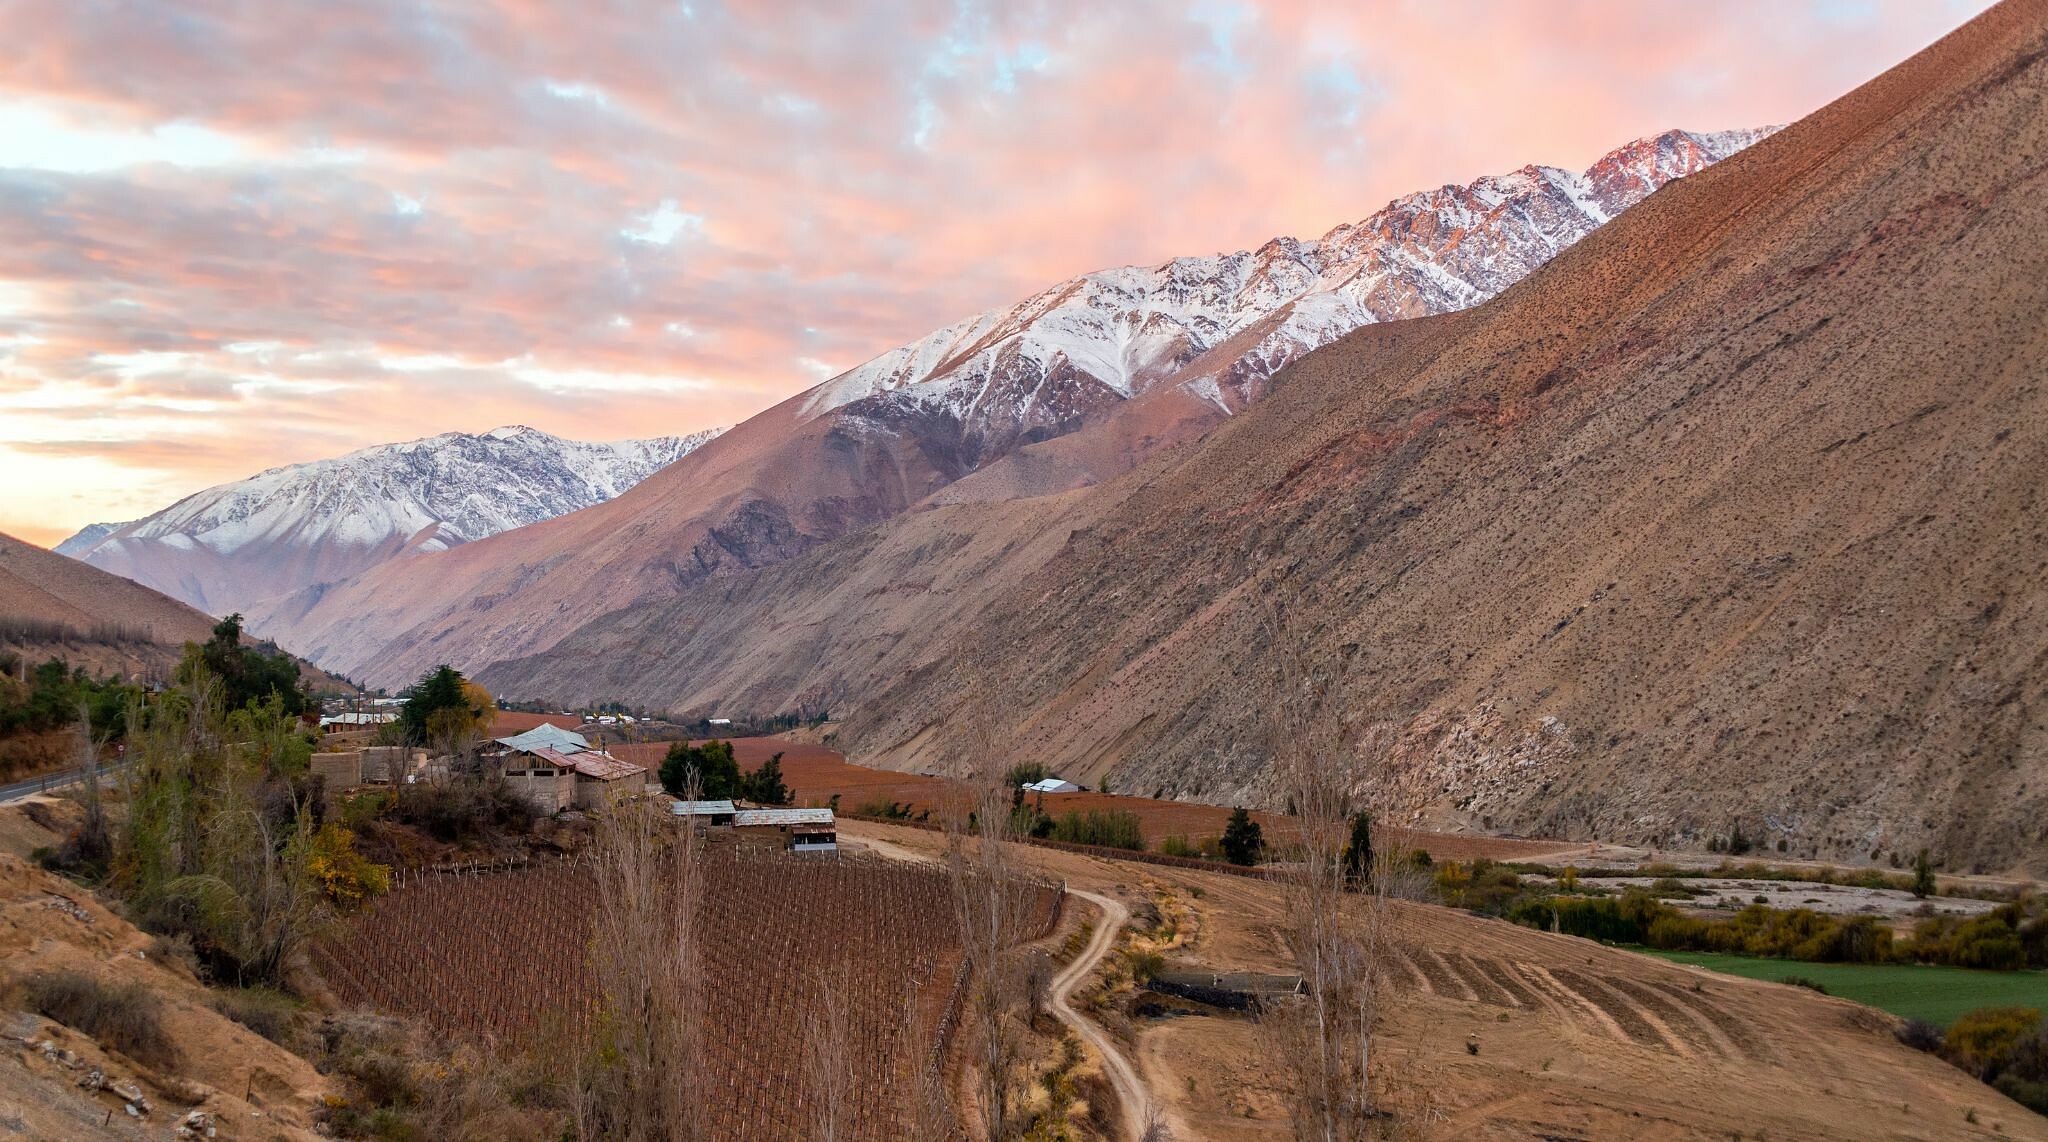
{"type": "Point", "coordinates": [271, 1014]}
{"type": "Point", "coordinates": [1920, 1035]}
{"type": "Point", "coordinates": [124, 1017]}
{"type": "Point", "coordinates": [466, 809]}
{"type": "Point", "coordinates": [1113, 828]}
{"type": "Point", "coordinates": [1985, 1042]}
{"type": "Point", "coordinates": [1806, 982]}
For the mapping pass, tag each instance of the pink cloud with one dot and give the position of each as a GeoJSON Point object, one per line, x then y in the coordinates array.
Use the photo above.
{"type": "Point", "coordinates": [458, 180]}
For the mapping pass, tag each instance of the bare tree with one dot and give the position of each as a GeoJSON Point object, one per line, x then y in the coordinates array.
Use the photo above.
{"type": "Point", "coordinates": [828, 1055]}
{"type": "Point", "coordinates": [991, 902]}
{"type": "Point", "coordinates": [1337, 928]}
{"type": "Point", "coordinates": [639, 1080]}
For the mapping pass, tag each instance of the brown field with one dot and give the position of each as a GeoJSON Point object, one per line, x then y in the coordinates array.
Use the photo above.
{"type": "Point", "coordinates": [500, 958]}
{"type": "Point", "coordinates": [816, 773]}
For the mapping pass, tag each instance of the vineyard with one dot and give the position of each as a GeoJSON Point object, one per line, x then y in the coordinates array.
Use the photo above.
{"type": "Point", "coordinates": [500, 958]}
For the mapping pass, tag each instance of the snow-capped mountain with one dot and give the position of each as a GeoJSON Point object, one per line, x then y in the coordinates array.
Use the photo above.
{"type": "Point", "coordinates": [1038, 366]}
{"type": "Point", "coordinates": [87, 538]}
{"type": "Point", "coordinates": [292, 527]}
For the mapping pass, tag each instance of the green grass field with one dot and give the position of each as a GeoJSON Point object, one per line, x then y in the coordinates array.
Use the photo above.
{"type": "Point", "coordinates": [1915, 991]}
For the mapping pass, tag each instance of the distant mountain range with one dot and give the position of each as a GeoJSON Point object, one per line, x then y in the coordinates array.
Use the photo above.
{"type": "Point", "coordinates": [1728, 517]}
{"type": "Point", "coordinates": [231, 547]}
{"type": "Point", "coordinates": [983, 409]}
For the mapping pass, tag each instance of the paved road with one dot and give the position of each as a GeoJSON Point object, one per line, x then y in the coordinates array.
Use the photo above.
{"type": "Point", "coordinates": [50, 783]}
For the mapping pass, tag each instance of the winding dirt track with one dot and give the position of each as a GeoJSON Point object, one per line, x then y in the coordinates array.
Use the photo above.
{"type": "Point", "coordinates": [1130, 1089]}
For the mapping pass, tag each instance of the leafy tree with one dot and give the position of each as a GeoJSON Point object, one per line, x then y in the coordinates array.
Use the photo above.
{"type": "Point", "coordinates": [1243, 841]}
{"type": "Point", "coordinates": [444, 707]}
{"type": "Point", "coordinates": [765, 784]}
{"type": "Point", "coordinates": [1923, 875]}
{"type": "Point", "coordinates": [1358, 851]}
{"type": "Point", "coordinates": [718, 775]}
{"type": "Point", "coordinates": [245, 674]}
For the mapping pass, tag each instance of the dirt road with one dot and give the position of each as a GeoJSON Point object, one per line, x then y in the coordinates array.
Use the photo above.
{"type": "Point", "coordinates": [1130, 1089]}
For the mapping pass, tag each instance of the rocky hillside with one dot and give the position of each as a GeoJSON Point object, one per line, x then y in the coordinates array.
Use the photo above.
{"type": "Point", "coordinates": [1164, 353]}
{"type": "Point", "coordinates": [230, 547]}
{"type": "Point", "coordinates": [1728, 516]}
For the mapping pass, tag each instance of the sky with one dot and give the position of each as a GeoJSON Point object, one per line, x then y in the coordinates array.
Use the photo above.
{"type": "Point", "coordinates": [235, 235]}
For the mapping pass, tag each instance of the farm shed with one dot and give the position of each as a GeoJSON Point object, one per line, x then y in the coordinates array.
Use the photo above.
{"type": "Point", "coordinates": [338, 723]}
{"type": "Point", "coordinates": [709, 812]}
{"type": "Point", "coordinates": [808, 830]}
{"type": "Point", "coordinates": [1051, 785]}
{"type": "Point", "coordinates": [600, 776]}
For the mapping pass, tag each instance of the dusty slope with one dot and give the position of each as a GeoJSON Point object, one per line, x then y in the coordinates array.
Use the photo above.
{"type": "Point", "coordinates": [1743, 492]}
{"type": "Point", "coordinates": [248, 1086]}
{"type": "Point", "coordinates": [44, 587]}
{"type": "Point", "coordinates": [1575, 1041]}
{"type": "Point", "coordinates": [959, 402]}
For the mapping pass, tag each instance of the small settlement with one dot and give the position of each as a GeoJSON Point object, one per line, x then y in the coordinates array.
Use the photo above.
{"type": "Point", "coordinates": [556, 770]}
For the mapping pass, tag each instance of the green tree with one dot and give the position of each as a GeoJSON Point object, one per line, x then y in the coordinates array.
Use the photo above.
{"type": "Point", "coordinates": [1358, 851]}
{"type": "Point", "coordinates": [1243, 841]}
{"type": "Point", "coordinates": [245, 674]}
{"type": "Point", "coordinates": [765, 784]}
{"type": "Point", "coordinates": [718, 775]}
{"type": "Point", "coordinates": [443, 705]}
{"type": "Point", "coordinates": [1923, 875]}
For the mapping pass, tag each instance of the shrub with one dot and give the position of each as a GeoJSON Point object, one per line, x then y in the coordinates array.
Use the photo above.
{"type": "Point", "coordinates": [1145, 965]}
{"type": "Point", "coordinates": [1178, 846]}
{"type": "Point", "coordinates": [1984, 1042]}
{"type": "Point", "coordinates": [271, 1014]}
{"type": "Point", "coordinates": [1920, 1035]}
{"type": "Point", "coordinates": [464, 810]}
{"type": "Point", "coordinates": [1806, 982]}
{"type": "Point", "coordinates": [125, 1017]}
{"type": "Point", "coordinates": [1114, 828]}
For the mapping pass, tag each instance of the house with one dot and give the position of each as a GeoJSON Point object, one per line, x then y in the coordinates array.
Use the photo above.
{"type": "Point", "coordinates": [546, 735]}
{"type": "Point", "coordinates": [1051, 785]}
{"type": "Point", "coordinates": [708, 812]}
{"type": "Point", "coordinates": [808, 830]}
{"type": "Point", "coordinates": [555, 769]}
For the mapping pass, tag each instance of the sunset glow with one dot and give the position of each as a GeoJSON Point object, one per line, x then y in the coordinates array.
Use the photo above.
{"type": "Point", "coordinates": [236, 236]}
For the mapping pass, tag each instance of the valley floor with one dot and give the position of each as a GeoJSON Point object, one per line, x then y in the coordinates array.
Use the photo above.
{"type": "Point", "coordinates": [1497, 1031]}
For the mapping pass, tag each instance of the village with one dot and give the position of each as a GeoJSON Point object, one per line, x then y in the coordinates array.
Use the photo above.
{"type": "Point", "coordinates": [555, 770]}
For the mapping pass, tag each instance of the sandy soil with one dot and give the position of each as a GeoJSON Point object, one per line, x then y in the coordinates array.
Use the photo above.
{"type": "Point", "coordinates": [1573, 1040]}
{"type": "Point", "coordinates": [245, 1085]}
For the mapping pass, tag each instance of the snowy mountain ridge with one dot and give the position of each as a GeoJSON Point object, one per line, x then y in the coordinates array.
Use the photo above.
{"type": "Point", "coordinates": [340, 514]}
{"type": "Point", "coordinates": [1112, 334]}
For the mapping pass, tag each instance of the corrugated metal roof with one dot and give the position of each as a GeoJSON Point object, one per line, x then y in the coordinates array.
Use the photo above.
{"type": "Point", "coordinates": [602, 766]}
{"type": "Point", "coordinates": [755, 817]}
{"type": "Point", "coordinates": [700, 808]}
{"type": "Point", "coordinates": [545, 736]}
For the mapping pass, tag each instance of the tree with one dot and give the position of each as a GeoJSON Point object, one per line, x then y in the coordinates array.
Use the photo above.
{"type": "Point", "coordinates": [1923, 875]}
{"type": "Point", "coordinates": [1358, 850]}
{"type": "Point", "coordinates": [764, 785]}
{"type": "Point", "coordinates": [245, 674]}
{"type": "Point", "coordinates": [716, 774]}
{"type": "Point", "coordinates": [443, 707]}
{"type": "Point", "coordinates": [1243, 841]}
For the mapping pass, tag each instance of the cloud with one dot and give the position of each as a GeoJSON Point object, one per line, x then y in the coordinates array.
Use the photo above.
{"type": "Point", "coordinates": [266, 233]}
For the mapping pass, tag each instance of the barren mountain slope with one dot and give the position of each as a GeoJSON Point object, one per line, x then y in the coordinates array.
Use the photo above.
{"type": "Point", "coordinates": [52, 605]}
{"type": "Point", "coordinates": [1189, 341]}
{"type": "Point", "coordinates": [1731, 514]}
